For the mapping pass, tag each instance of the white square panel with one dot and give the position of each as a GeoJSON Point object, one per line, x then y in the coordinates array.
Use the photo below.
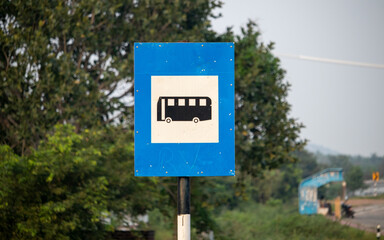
{"type": "Point", "coordinates": [176, 113]}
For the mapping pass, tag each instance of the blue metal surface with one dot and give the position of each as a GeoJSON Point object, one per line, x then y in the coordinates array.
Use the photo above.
{"type": "Point", "coordinates": [184, 159]}
{"type": "Point", "coordinates": [308, 202]}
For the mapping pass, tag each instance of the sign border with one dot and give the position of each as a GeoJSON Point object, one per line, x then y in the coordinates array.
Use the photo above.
{"type": "Point", "coordinates": [184, 159]}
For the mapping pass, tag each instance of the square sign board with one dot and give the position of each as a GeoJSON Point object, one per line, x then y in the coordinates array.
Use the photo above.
{"type": "Point", "coordinates": [184, 109]}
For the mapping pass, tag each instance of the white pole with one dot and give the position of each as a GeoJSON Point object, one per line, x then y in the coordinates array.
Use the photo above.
{"type": "Point", "coordinates": [184, 227]}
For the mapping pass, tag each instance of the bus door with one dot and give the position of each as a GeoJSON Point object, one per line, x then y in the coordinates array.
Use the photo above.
{"type": "Point", "coordinates": [163, 108]}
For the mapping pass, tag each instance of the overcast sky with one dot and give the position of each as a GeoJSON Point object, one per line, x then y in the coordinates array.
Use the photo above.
{"type": "Point", "coordinates": [342, 106]}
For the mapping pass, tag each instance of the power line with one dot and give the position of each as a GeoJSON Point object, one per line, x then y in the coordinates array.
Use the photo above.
{"type": "Point", "coordinates": [329, 60]}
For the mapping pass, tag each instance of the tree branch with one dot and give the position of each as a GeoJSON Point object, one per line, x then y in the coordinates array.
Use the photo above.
{"type": "Point", "coordinates": [93, 16]}
{"type": "Point", "coordinates": [65, 44]}
{"type": "Point", "coordinates": [111, 90]}
{"type": "Point", "coordinates": [7, 58]}
{"type": "Point", "coordinates": [80, 56]}
{"type": "Point", "coordinates": [124, 94]}
{"type": "Point", "coordinates": [172, 194]}
{"type": "Point", "coordinates": [114, 118]}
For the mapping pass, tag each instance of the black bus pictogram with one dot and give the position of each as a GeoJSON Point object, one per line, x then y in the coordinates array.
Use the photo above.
{"type": "Point", "coordinates": [184, 109]}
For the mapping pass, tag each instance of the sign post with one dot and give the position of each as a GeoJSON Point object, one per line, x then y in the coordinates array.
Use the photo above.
{"type": "Point", "coordinates": [375, 179]}
{"type": "Point", "coordinates": [184, 115]}
{"type": "Point", "coordinates": [183, 208]}
{"type": "Point", "coordinates": [375, 176]}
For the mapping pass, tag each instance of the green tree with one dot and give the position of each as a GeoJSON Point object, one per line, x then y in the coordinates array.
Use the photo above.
{"type": "Point", "coordinates": [72, 61]}
{"type": "Point", "coordinates": [288, 188]}
{"type": "Point", "coordinates": [353, 174]}
{"type": "Point", "coordinates": [54, 192]}
{"type": "Point", "coordinates": [340, 161]}
{"type": "Point", "coordinates": [369, 164]}
{"type": "Point", "coordinates": [265, 135]}
{"type": "Point", "coordinates": [354, 178]}
{"type": "Point", "coordinates": [68, 188]}
{"type": "Point", "coordinates": [308, 163]}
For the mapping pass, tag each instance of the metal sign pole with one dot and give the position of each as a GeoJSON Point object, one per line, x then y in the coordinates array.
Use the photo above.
{"type": "Point", "coordinates": [183, 208]}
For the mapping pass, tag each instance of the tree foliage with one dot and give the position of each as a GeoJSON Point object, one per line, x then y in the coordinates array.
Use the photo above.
{"type": "Point", "coordinates": [54, 192]}
{"type": "Point", "coordinates": [265, 135]}
{"type": "Point", "coordinates": [71, 185]}
{"type": "Point", "coordinates": [308, 163]}
{"type": "Point", "coordinates": [72, 61]}
{"type": "Point", "coordinates": [353, 175]}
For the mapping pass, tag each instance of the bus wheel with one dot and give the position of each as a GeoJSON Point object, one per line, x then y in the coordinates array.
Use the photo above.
{"type": "Point", "coordinates": [195, 120]}
{"type": "Point", "coordinates": [168, 120]}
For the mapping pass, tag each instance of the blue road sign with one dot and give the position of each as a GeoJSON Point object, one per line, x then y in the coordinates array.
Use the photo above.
{"type": "Point", "coordinates": [184, 109]}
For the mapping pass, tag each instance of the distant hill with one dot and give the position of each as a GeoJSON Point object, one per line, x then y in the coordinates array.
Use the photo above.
{"type": "Point", "coordinates": [314, 148]}
{"type": "Point", "coordinates": [329, 157]}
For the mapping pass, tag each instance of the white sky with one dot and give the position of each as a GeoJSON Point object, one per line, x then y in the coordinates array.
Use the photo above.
{"type": "Point", "coordinates": [341, 105]}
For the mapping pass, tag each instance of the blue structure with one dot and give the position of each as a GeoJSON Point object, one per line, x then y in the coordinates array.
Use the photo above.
{"type": "Point", "coordinates": [308, 202]}
{"type": "Point", "coordinates": [178, 76]}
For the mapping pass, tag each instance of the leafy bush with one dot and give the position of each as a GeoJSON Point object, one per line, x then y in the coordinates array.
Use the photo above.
{"type": "Point", "coordinates": [256, 221]}
{"type": "Point", "coordinates": [69, 186]}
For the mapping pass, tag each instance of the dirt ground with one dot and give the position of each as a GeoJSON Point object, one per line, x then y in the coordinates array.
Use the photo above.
{"type": "Point", "coordinates": [362, 202]}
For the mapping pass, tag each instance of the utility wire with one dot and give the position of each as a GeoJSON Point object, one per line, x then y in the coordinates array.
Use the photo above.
{"type": "Point", "coordinates": [328, 60]}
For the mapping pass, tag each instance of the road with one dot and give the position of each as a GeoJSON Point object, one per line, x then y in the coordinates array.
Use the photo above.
{"type": "Point", "coordinates": [369, 213]}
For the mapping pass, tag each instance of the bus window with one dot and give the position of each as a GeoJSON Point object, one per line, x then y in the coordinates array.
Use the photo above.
{"type": "Point", "coordinates": [171, 102]}
{"type": "Point", "coordinates": [181, 102]}
{"type": "Point", "coordinates": [203, 102]}
{"type": "Point", "coordinates": [192, 102]}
